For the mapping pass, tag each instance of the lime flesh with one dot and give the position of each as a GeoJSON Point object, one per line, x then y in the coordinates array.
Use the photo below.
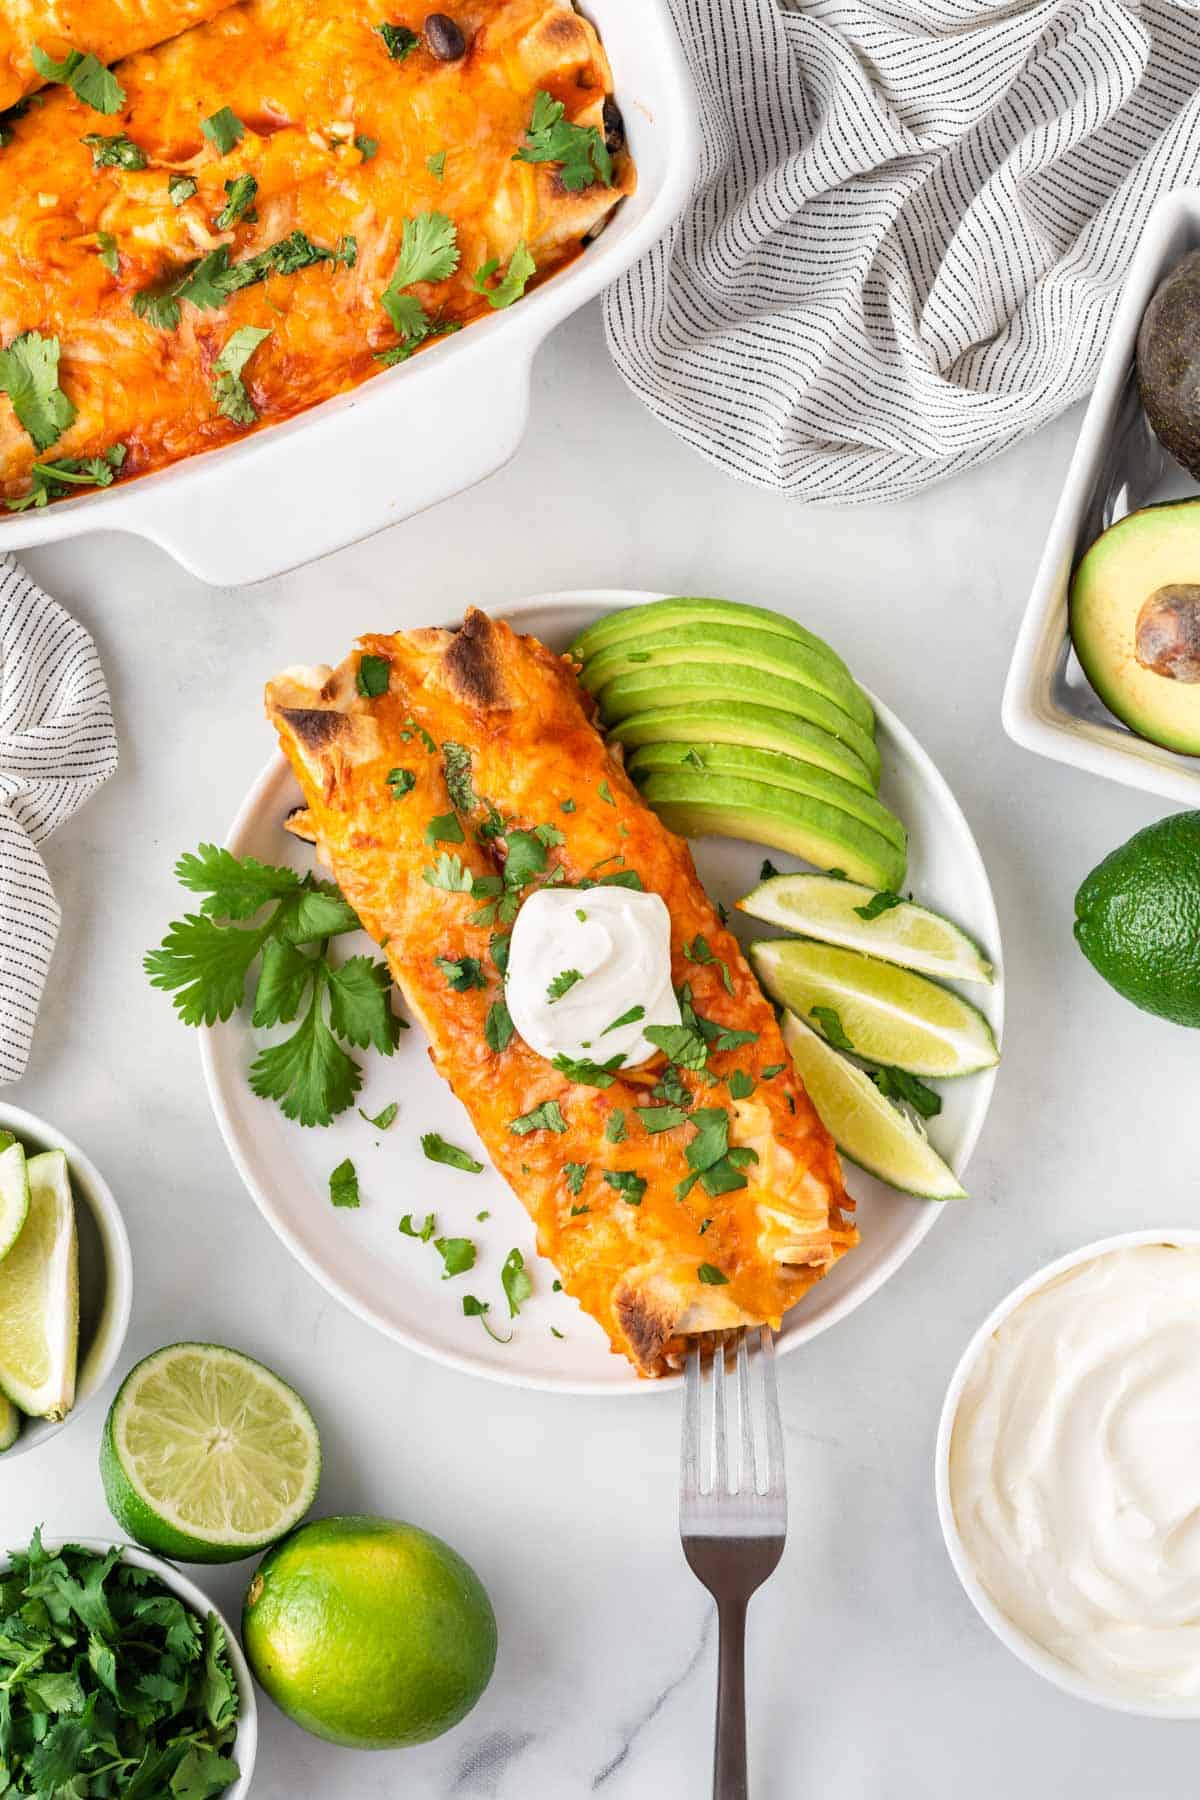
{"type": "Point", "coordinates": [889, 1015]}
{"type": "Point", "coordinates": [818, 906]}
{"type": "Point", "coordinates": [865, 1127]}
{"type": "Point", "coordinates": [10, 1423]}
{"type": "Point", "coordinates": [14, 1195]}
{"type": "Point", "coordinates": [369, 1632]}
{"type": "Point", "coordinates": [207, 1456]}
{"type": "Point", "coordinates": [39, 1296]}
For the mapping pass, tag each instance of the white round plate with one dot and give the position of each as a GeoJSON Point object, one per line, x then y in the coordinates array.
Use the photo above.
{"type": "Point", "coordinates": [394, 1282]}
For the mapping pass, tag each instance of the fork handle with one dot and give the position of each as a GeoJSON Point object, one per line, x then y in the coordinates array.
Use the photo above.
{"type": "Point", "coordinates": [729, 1759]}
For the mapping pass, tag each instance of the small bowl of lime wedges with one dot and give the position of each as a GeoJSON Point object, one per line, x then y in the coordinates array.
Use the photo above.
{"type": "Point", "coordinates": [66, 1281]}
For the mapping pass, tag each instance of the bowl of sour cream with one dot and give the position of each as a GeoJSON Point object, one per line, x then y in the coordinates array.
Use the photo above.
{"type": "Point", "coordinates": [1068, 1473]}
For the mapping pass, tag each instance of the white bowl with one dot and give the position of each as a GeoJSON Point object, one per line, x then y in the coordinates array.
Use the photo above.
{"type": "Point", "coordinates": [105, 1275]}
{"type": "Point", "coordinates": [1033, 1654]}
{"type": "Point", "coordinates": [1118, 466]}
{"type": "Point", "coordinates": [245, 1745]}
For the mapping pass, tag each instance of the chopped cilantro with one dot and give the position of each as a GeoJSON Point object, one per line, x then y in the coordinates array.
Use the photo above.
{"type": "Point", "coordinates": [606, 794]}
{"type": "Point", "coordinates": [85, 75]}
{"type": "Point", "coordinates": [661, 1118]}
{"type": "Point", "coordinates": [741, 1085]}
{"type": "Point", "coordinates": [29, 376]}
{"type": "Point", "coordinates": [555, 1332]}
{"type": "Point", "coordinates": [631, 1187]}
{"type": "Point", "coordinates": [578, 1211]}
{"type": "Point", "coordinates": [439, 1151]}
{"type": "Point", "coordinates": [398, 39]}
{"type": "Point", "coordinates": [712, 1277]}
{"type": "Point", "coordinates": [425, 1233]}
{"type": "Point", "coordinates": [463, 974]}
{"type": "Point", "coordinates": [526, 858]}
{"type": "Point", "coordinates": [444, 828]}
{"type": "Point", "coordinates": [241, 193]}
{"type": "Point", "coordinates": [181, 188]}
{"type": "Point", "coordinates": [478, 1309]}
{"type": "Point", "coordinates": [106, 250]}
{"type": "Point", "coordinates": [586, 1072]}
{"type": "Point", "coordinates": [374, 673]}
{"type": "Point", "coordinates": [481, 1216]}
{"type": "Point", "coordinates": [516, 1282]}
{"type": "Point", "coordinates": [498, 1027]}
{"type": "Point", "coordinates": [694, 757]}
{"type": "Point", "coordinates": [710, 1157]}
{"type": "Point", "coordinates": [383, 1119]}
{"type": "Point", "coordinates": [727, 1038]}
{"type": "Point", "coordinates": [546, 1117]}
{"type": "Point", "coordinates": [768, 870]}
{"type": "Point", "coordinates": [579, 150]}
{"type": "Point", "coordinates": [343, 1184]}
{"type": "Point", "coordinates": [436, 164]}
{"type": "Point", "coordinates": [896, 1084]}
{"type": "Point", "coordinates": [228, 389]}
{"type": "Point", "coordinates": [567, 806]}
{"type": "Point", "coordinates": [576, 1173]}
{"type": "Point", "coordinates": [457, 1254]}
{"type": "Point", "coordinates": [614, 1129]}
{"type": "Point", "coordinates": [401, 782]}
{"type": "Point", "coordinates": [119, 152]}
{"type": "Point", "coordinates": [877, 904]}
{"type": "Point", "coordinates": [55, 480]}
{"type": "Point", "coordinates": [456, 766]}
{"type": "Point", "coordinates": [627, 1018]}
{"type": "Point", "coordinates": [701, 951]}
{"type": "Point", "coordinates": [562, 984]}
{"type": "Point", "coordinates": [831, 1027]}
{"type": "Point", "coordinates": [682, 1044]}
{"type": "Point", "coordinates": [367, 147]}
{"type": "Point", "coordinates": [428, 253]}
{"type": "Point", "coordinates": [773, 1069]}
{"type": "Point", "coordinates": [511, 284]}
{"type": "Point", "coordinates": [223, 129]}
{"type": "Point", "coordinates": [498, 946]}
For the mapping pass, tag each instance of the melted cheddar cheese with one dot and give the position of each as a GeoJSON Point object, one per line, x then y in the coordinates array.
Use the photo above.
{"type": "Point", "coordinates": [345, 145]}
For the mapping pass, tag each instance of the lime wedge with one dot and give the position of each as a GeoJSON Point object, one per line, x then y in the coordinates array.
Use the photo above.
{"type": "Point", "coordinates": [888, 1014]}
{"type": "Point", "coordinates": [819, 906]}
{"type": "Point", "coordinates": [14, 1195]}
{"type": "Point", "coordinates": [10, 1423]}
{"type": "Point", "coordinates": [39, 1296]}
{"type": "Point", "coordinates": [864, 1126]}
{"type": "Point", "coordinates": [207, 1456]}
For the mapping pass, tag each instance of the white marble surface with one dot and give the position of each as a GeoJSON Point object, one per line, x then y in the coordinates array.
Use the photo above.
{"type": "Point", "coordinates": [871, 1677]}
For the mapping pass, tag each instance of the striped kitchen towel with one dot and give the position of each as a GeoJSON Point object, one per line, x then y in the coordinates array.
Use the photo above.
{"type": "Point", "coordinates": [57, 743]}
{"type": "Point", "coordinates": [909, 229]}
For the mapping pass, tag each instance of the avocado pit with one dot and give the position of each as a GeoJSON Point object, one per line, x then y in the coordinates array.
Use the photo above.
{"type": "Point", "coordinates": [1167, 637]}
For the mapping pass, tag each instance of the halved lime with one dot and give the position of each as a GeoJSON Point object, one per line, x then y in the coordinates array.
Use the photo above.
{"type": "Point", "coordinates": [207, 1456]}
{"type": "Point", "coordinates": [10, 1423]}
{"type": "Point", "coordinates": [864, 1126]}
{"type": "Point", "coordinates": [819, 906]}
{"type": "Point", "coordinates": [889, 1015]}
{"type": "Point", "coordinates": [39, 1296]}
{"type": "Point", "coordinates": [14, 1195]}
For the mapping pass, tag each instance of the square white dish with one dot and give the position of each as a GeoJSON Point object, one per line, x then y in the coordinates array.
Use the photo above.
{"type": "Point", "coordinates": [1118, 465]}
{"type": "Point", "coordinates": [424, 430]}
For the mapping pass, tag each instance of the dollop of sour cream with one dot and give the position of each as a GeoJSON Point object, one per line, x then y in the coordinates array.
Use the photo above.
{"type": "Point", "coordinates": [579, 960]}
{"type": "Point", "coordinates": [1075, 1469]}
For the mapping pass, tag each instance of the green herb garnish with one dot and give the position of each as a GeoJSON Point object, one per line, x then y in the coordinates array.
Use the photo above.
{"type": "Point", "coordinates": [498, 1027]}
{"type": "Point", "coordinates": [223, 129]}
{"type": "Point", "coordinates": [118, 152]}
{"type": "Point", "coordinates": [228, 389]}
{"type": "Point", "coordinates": [681, 1044]}
{"type": "Point", "coordinates": [55, 480]}
{"type": "Point", "coordinates": [741, 1085]}
{"type": "Point", "coordinates": [84, 74]}
{"type": "Point", "coordinates": [240, 196]}
{"type": "Point", "coordinates": [436, 164]}
{"type": "Point", "coordinates": [661, 1118]}
{"type": "Point", "coordinates": [408, 1229]}
{"type": "Point", "coordinates": [627, 1018]}
{"type": "Point", "coordinates": [457, 1254]}
{"type": "Point", "coordinates": [462, 973]}
{"type": "Point", "coordinates": [614, 1129]}
{"type": "Point", "coordinates": [897, 1084]}
{"type": "Point", "coordinates": [439, 1151]}
{"type": "Point", "coordinates": [29, 376]}
{"type": "Point", "coordinates": [877, 904]}
{"type": "Point", "coordinates": [448, 873]}
{"type": "Point", "coordinates": [516, 1282]}
{"type": "Point", "coordinates": [401, 782]}
{"type": "Point", "coordinates": [579, 150]}
{"type": "Point", "coordinates": [562, 984]}
{"type": "Point", "coordinates": [511, 284]}
{"type": "Point", "coordinates": [701, 951]}
{"type": "Point", "coordinates": [343, 1185]}
{"type": "Point", "coordinates": [181, 188]}
{"type": "Point", "coordinates": [428, 253]}
{"type": "Point", "coordinates": [576, 1174]}
{"type": "Point", "coordinates": [773, 1069]}
{"type": "Point", "coordinates": [478, 1309]}
{"type": "Point", "coordinates": [374, 673]}
{"type": "Point", "coordinates": [586, 1072]}
{"type": "Point", "coordinates": [546, 1117]}
{"type": "Point", "coordinates": [712, 1277]}
{"type": "Point", "coordinates": [631, 1187]}
{"type": "Point", "coordinates": [383, 1119]}
{"type": "Point", "coordinates": [106, 250]}
{"type": "Point", "coordinates": [400, 41]}
{"type": "Point", "coordinates": [831, 1026]}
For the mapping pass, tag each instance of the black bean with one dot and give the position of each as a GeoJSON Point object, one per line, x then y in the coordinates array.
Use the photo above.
{"type": "Point", "coordinates": [445, 38]}
{"type": "Point", "coordinates": [614, 126]}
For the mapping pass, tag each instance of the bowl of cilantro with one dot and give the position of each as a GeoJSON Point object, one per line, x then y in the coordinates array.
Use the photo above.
{"type": "Point", "coordinates": [120, 1677]}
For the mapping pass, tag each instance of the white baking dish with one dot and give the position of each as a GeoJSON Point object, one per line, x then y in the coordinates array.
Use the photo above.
{"type": "Point", "coordinates": [428, 428]}
{"type": "Point", "coordinates": [1118, 465]}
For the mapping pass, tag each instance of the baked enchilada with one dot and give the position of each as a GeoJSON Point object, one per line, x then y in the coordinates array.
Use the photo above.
{"type": "Point", "coordinates": [454, 782]}
{"type": "Point", "coordinates": [272, 206]}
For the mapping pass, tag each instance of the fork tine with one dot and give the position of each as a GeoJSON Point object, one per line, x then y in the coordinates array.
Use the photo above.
{"type": "Point", "coordinates": [720, 1463]}
{"type": "Point", "coordinates": [689, 1450]}
{"type": "Point", "coordinates": [776, 1467]}
{"type": "Point", "coordinates": [747, 1473]}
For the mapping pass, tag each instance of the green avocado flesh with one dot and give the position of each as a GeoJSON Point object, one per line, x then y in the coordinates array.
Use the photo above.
{"type": "Point", "coordinates": [724, 644]}
{"type": "Point", "coordinates": [735, 722]}
{"type": "Point", "coordinates": [777, 770]}
{"type": "Point", "coordinates": [663, 615]}
{"type": "Point", "coordinates": [1137, 919]}
{"type": "Point", "coordinates": [680, 683]}
{"type": "Point", "coordinates": [696, 804]}
{"type": "Point", "coordinates": [1135, 622]}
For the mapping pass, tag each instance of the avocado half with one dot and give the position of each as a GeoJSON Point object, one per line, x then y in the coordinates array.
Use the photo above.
{"type": "Point", "coordinates": [777, 770]}
{"type": "Point", "coordinates": [694, 802]}
{"type": "Point", "coordinates": [1168, 362]}
{"type": "Point", "coordinates": [1135, 622]}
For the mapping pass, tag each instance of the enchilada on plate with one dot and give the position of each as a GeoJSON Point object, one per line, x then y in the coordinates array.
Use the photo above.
{"type": "Point", "coordinates": [455, 779]}
{"type": "Point", "coordinates": [288, 198]}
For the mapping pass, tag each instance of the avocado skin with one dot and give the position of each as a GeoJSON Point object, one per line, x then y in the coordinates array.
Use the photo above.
{"type": "Point", "coordinates": [1168, 362]}
{"type": "Point", "coordinates": [1137, 919]}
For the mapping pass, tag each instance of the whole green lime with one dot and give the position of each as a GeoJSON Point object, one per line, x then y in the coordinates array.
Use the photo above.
{"type": "Point", "coordinates": [369, 1632]}
{"type": "Point", "coordinates": [1137, 919]}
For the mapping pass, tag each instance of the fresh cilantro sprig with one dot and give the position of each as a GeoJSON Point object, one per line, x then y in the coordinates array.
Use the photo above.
{"type": "Point", "coordinates": [29, 376]}
{"type": "Point", "coordinates": [210, 282]}
{"type": "Point", "coordinates": [204, 962]}
{"type": "Point", "coordinates": [228, 388]}
{"type": "Point", "coordinates": [897, 1084]}
{"type": "Point", "coordinates": [516, 1282]}
{"type": "Point", "coordinates": [438, 1150]}
{"type": "Point", "coordinates": [111, 1685]}
{"type": "Point", "coordinates": [511, 285]}
{"type": "Point", "coordinates": [399, 41]}
{"type": "Point", "coordinates": [429, 253]}
{"type": "Point", "coordinates": [84, 74]}
{"type": "Point", "coordinates": [55, 480]}
{"type": "Point", "coordinates": [579, 150]}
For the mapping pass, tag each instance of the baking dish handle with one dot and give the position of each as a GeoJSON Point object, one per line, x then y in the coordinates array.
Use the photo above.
{"type": "Point", "coordinates": [319, 490]}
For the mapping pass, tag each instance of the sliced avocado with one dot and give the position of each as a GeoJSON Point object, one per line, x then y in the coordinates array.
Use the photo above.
{"type": "Point", "coordinates": [1168, 350]}
{"type": "Point", "coordinates": [686, 609]}
{"type": "Point", "coordinates": [679, 683]}
{"type": "Point", "coordinates": [696, 804]}
{"type": "Point", "coordinates": [736, 722]}
{"type": "Point", "coordinates": [724, 644]}
{"type": "Point", "coordinates": [778, 770]}
{"type": "Point", "coordinates": [1135, 622]}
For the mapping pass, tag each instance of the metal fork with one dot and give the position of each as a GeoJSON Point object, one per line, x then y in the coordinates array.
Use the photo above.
{"type": "Point", "coordinates": [732, 1514]}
